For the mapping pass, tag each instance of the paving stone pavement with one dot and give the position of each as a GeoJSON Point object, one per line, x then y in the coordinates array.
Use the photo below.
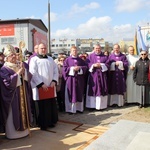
{"type": "Point", "coordinates": [98, 117]}
{"type": "Point", "coordinates": [108, 117]}
{"type": "Point", "coordinates": [124, 135]}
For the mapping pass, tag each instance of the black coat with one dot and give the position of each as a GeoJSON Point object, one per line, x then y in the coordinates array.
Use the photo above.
{"type": "Point", "coordinates": [140, 75]}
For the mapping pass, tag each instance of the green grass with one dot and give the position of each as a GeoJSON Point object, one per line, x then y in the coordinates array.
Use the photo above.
{"type": "Point", "coordinates": [147, 109]}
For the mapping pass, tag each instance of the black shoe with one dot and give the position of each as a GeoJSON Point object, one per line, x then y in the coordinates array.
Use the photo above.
{"type": "Point", "coordinates": [114, 105]}
{"type": "Point", "coordinates": [140, 106]}
{"type": "Point", "coordinates": [52, 126]}
{"type": "Point", "coordinates": [34, 125]}
{"type": "Point", "coordinates": [61, 109]}
{"type": "Point", "coordinates": [2, 130]}
{"type": "Point", "coordinates": [126, 104]}
{"type": "Point", "coordinates": [91, 109]}
{"type": "Point", "coordinates": [81, 112]}
{"type": "Point", "coordinates": [44, 129]}
{"type": "Point", "coordinates": [70, 113]}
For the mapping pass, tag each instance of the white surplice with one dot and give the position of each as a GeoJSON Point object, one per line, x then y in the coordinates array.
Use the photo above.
{"type": "Point", "coordinates": [133, 94]}
{"type": "Point", "coordinates": [38, 68]}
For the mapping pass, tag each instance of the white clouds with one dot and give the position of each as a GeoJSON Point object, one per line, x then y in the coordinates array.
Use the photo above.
{"type": "Point", "coordinates": [96, 22]}
{"type": "Point", "coordinates": [147, 3]}
{"type": "Point", "coordinates": [75, 9]}
{"type": "Point", "coordinates": [100, 27]}
{"type": "Point", "coordinates": [69, 33]}
{"type": "Point", "coordinates": [97, 28]}
{"type": "Point", "coordinates": [120, 32]}
{"type": "Point", "coordinates": [130, 5]}
{"type": "Point", "coordinates": [78, 9]}
{"type": "Point", "coordinates": [142, 22]}
{"type": "Point", "coordinates": [32, 17]}
{"type": "Point", "coordinates": [53, 16]}
{"type": "Point", "coordinates": [122, 28]}
{"type": "Point", "coordinates": [92, 28]}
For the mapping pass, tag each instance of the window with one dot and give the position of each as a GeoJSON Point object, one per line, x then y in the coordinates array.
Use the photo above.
{"type": "Point", "coordinates": [10, 40]}
{"type": "Point", "coordinates": [4, 40]}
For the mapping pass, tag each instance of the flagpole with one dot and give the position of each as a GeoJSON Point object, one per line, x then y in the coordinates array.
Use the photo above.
{"type": "Point", "coordinates": [135, 44]}
{"type": "Point", "coordinates": [49, 38]}
{"type": "Point", "coordinates": [21, 45]}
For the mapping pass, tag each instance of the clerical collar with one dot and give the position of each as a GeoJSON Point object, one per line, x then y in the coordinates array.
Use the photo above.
{"type": "Point", "coordinates": [73, 56]}
{"type": "Point", "coordinates": [42, 56]}
{"type": "Point", "coordinates": [98, 53]}
{"type": "Point", "coordinates": [117, 53]}
{"type": "Point", "coordinates": [131, 55]}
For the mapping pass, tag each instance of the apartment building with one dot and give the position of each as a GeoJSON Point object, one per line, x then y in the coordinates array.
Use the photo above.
{"type": "Point", "coordinates": [84, 45]}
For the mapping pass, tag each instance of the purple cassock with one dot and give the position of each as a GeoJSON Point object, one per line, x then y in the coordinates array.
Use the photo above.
{"type": "Point", "coordinates": [117, 77]}
{"type": "Point", "coordinates": [11, 96]}
{"type": "Point", "coordinates": [98, 80]}
{"type": "Point", "coordinates": [1, 116]}
{"type": "Point", "coordinates": [75, 84]}
{"type": "Point", "coordinates": [34, 54]}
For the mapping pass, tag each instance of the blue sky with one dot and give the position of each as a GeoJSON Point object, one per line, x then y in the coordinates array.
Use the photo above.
{"type": "Point", "coordinates": [112, 20]}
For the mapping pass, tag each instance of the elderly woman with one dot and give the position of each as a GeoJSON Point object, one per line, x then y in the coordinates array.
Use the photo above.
{"type": "Point", "coordinates": [15, 100]}
{"type": "Point", "coordinates": [61, 84]}
{"type": "Point", "coordinates": [140, 76]}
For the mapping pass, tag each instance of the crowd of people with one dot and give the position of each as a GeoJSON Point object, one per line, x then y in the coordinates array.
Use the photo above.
{"type": "Point", "coordinates": [35, 88]}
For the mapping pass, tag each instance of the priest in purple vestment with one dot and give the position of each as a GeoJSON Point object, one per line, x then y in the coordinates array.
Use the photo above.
{"type": "Point", "coordinates": [34, 53]}
{"type": "Point", "coordinates": [97, 86]}
{"type": "Point", "coordinates": [117, 76]}
{"type": "Point", "coordinates": [74, 71]}
{"type": "Point", "coordinates": [16, 110]}
{"type": "Point", "coordinates": [2, 127]}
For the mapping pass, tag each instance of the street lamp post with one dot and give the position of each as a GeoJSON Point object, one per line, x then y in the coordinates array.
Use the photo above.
{"type": "Point", "coordinates": [49, 39]}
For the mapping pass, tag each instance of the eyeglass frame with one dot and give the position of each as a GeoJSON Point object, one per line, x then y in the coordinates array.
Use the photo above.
{"type": "Point", "coordinates": [143, 54]}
